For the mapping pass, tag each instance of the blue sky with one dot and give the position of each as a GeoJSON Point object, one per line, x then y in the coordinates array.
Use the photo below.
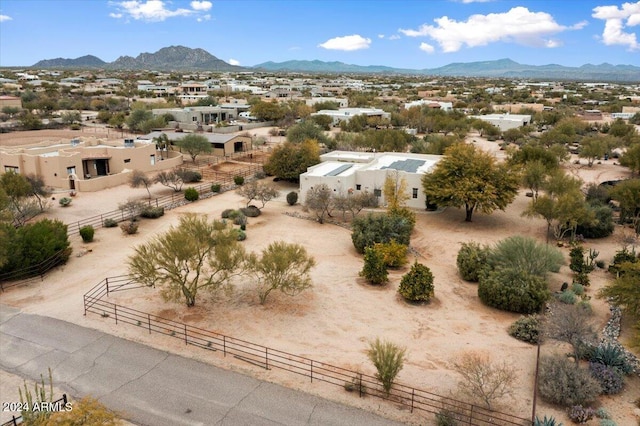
{"type": "Point", "coordinates": [412, 34]}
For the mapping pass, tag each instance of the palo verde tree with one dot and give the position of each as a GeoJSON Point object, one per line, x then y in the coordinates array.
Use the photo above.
{"type": "Point", "coordinates": [469, 177]}
{"type": "Point", "coordinates": [254, 190]}
{"type": "Point", "coordinates": [289, 160]}
{"type": "Point", "coordinates": [21, 204]}
{"type": "Point", "coordinates": [282, 266]}
{"type": "Point", "coordinates": [138, 178]}
{"type": "Point", "coordinates": [197, 254]}
{"type": "Point", "coordinates": [194, 145]}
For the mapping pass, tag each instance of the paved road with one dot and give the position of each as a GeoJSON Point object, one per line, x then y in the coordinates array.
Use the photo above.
{"type": "Point", "coordinates": [153, 387]}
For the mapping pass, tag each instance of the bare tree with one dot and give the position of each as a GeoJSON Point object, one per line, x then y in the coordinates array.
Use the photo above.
{"type": "Point", "coordinates": [171, 179]}
{"type": "Point", "coordinates": [262, 192]}
{"type": "Point", "coordinates": [39, 190]}
{"type": "Point", "coordinates": [138, 179]}
{"type": "Point", "coordinates": [483, 380]}
{"type": "Point", "coordinates": [571, 324]}
{"type": "Point", "coordinates": [319, 199]}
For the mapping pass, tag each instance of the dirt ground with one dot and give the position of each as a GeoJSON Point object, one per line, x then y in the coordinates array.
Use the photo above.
{"type": "Point", "coordinates": [334, 321]}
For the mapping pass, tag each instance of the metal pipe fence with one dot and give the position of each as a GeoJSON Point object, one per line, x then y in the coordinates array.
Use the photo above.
{"type": "Point", "coordinates": [269, 358]}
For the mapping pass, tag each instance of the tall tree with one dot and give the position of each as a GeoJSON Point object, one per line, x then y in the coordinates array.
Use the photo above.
{"type": "Point", "coordinates": [631, 158]}
{"type": "Point", "coordinates": [627, 194]}
{"type": "Point", "coordinates": [194, 145]}
{"type": "Point", "coordinates": [469, 177]}
{"type": "Point", "coordinates": [288, 161]}
{"type": "Point", "coordinates": [195, 255]}
{"type": "Point", "coordinates": [162, 144]}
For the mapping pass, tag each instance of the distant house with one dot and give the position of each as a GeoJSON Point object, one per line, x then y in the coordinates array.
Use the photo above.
{"type": "Point", "coordinates": [445, 106]}
{"type": "Point", "coordinates": [10, 101]}
{"type": "Point", "coordinates": [346, 114]}
{"type": "Point", "coordinates": [222, 144]}
{"type": "Point", "coordinates": [86, 164]}
{"type": "Point", "coordinates": [348, 172]}
{"type": "Point", "coordinates": [203, 115]}
{"type": "Point", "coordinates": [505, 121]}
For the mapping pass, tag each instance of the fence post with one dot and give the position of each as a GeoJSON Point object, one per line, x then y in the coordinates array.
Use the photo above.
{"type": "Point", "coordinates": [413, 392]}
{"type": "Point", "coordinates": [360, 384]}
{"type": "Point", "coordinates": [106, 280]}
{"type": "Point", "coordinates": [14, 420]}
{"type": "Point", "coordinates": [185, 334]}
{"type": "Point", "coordinates": [471, 415]}
{"type": "Point", "coordinates": [64, 398]}
{"type": "Point", "coordinates": [224, 345]}
{"type": "Point", "coordinates": [266, 358]}
{"type": "Point", "coordinates": [311, 371]}
{"type": "Point", "coordinates": [115, 312]}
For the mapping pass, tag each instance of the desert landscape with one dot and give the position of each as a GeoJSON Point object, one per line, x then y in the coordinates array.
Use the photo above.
{"type": "Point", "coordinates": [334, 321]}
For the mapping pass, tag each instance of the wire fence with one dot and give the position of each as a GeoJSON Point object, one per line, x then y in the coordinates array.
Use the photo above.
{"type": "Point", "coordinates": [269, 358]}
{"type": "Point", "coordinates": [60, 404]}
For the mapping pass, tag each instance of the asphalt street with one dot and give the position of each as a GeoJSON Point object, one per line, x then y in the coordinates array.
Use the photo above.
{"type": "Point", "coordinates": [153, 387]}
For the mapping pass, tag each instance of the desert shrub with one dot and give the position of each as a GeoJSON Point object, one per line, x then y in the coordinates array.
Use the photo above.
{"type": "Point", "coordinates": [527, 255]}
{"type": "Point", "coordinates": [607, 422]}
{"type": "Point", "coordinates": [381, 228]}
{"type": "Point", "coordinates": [581, 415]}
{"type": "Point", "coordinates": [110, 223]}
{"type": "Point", "coordinates": [227, 213]}
{"type": "Point", "coordinates": [577, 289]}
{"type": "Point", "coordinates": [513, 290]}
{"type": "Point", "coordinates": [602, 413]}
{"type": "Point", "coordinates": [129, 227]}
{"type": "Point", "coordinates": [240, 219]}
{"type": "Point", "coordinates": [250, 211]}
{"type": "Point", "coordinates": [190, 176]}
{"type": "Point", "coordinates": [546, 421]}
{"type": "Point", "coordinates": [292, 198]}
{"type": "Point", "coordinates": [622, 256]}
{"type": "Point", "coordinates": [568, 297]}
{"type": "Point", "coordinates": [609, 378]}
{"type": "Point", "coordinates": [216, 187]}
{"type": "Point", "coordinates": [612, 355]}
{"type": "Point", "coordinates": [600, 264]}
{"type": "Point", "coordinates": [151, 212]}
{"type": "Point", "coordinates": [87, 412]}
{"type": "Point", "coordinates": [388, 359]}
{"type": "Point", "coordinates": [65, 201]}
{"type": "Point", "coordinates": [603, 225]}
{"type": "Point", "coordinates": [562, 382]}
{"type": "Point", "coordinates": [238, 180]}
{"type": "Point", "coordinates": [527, 329]}
{"type": "Point", "coordinates": [405, 213]}
{"type": "Point", "coordinates": [260, 174]}
{"type": "Point", "coordinates": [191, 194]}
{"type": "Point", "coordinates": [446, 418]}
{"type": "Point", "coordinates": [417, 284]}
{"type": "Point", "coordinates": [374, 269]}
{"type": "Point", "coordinates": [86, 232]}
{"type": "Point", "coordinates": [472, 258]}
{"type": "Point", "coordinates": [394, 254]}
{"type": "Point", "coordinates": [242, 235]}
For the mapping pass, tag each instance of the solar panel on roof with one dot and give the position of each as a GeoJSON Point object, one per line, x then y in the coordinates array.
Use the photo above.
{"type": "Point", "coordinates": [336, 172]}
{"type": "Point", "coordinates": [409, 165]}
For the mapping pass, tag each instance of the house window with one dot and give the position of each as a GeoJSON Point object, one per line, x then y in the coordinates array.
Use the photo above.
{"type": "Point", "coordinates": [127, 160]}
{"type": "Point", "coordinates": [13, 169]}
{"type": "Point", "coordinates": [415, 192]}
{"type": "Point", "coordinates": [358, 187]}
{"type": "Point", "coordinates": [152, 158]}
{"type": "Point", "coordinates": [377, 192]}
{"type": "Point", "coordinates": [71, 170]}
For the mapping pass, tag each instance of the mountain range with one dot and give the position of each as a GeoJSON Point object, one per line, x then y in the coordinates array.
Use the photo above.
{"type": "Point", "coordinates": [180, 58]}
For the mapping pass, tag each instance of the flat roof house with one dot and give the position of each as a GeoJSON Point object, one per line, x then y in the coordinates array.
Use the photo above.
{"type": "Point", "coordinates": [222, 144]}
{"type": "Point", "coordinates": [350, 172]}
{"type": "Point", "coordinates": [505, 121]}
{"type": "Point", "coordinates": [345, 114]}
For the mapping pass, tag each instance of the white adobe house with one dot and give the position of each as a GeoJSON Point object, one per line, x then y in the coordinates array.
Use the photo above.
{"type": "Point", "coordinates": [352, 172]}
{"type": "Point", "coordinates": [346, 114]}
{"type": "Point", "coordinates": [505, 121]}
{"type": "Point", "coordinates": [444, 106]}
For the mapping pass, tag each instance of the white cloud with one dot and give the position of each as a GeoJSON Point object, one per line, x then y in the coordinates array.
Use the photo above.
{"type": "Point", "coordinates": [4, 18]}
{"type": "Point", "coordinates": [518, 25]}
{"type": "Point", "coordinates": [394, 37]}
{"type": "Point", "coordinates": [347, 43]}
{"type": "Point", "coordinates": [201, 5]}
{"type": "Point", "coordinates": [158, 10]}
{"type": "Point", "coordinates": [232, 61]}
{"type": "Point", "coordinates": [614, 27]}
{"type": "Point", "coordinates": [426, 47]}
{"type": "Point", "coordinates": [380, 35]}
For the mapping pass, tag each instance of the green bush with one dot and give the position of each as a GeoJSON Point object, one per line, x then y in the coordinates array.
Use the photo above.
{"type": "Point", "coordinates": [129, 227]}
{"type": "Point", "coordinates": [190, 176]}
{"type": "Point", "coordinates": [226, 213]}
{"type": "Point", "coordinates": [150, 212]}
{"type": "Point", "coordinates": [242, 235]}
{"type": "Point", "coordinates": [86, 232]}
{"type": "Point", "coordinates": [250, 211]}
{"type": "Point", "coordinates": [388, 359]}
{"type": "Point", "coordinates": [472, 258]}
{"type": "Point", "coordinates": [562, 382]}
{"type": "Point", "coordinates": [32, 244]}
{"type": "Point", "coordinates": [381, 228]}
{"type": "Point", "coordinates": [608, 422]}
{"type": "Point", "coordinates": [581, 415]}
{"type": "Point", "coordinates": [603, 225]}
{"type": "Point", "coordinates": [216, 187]}
{"type": "Point", "coordinates": [417, 284]}
{"type": "Point", "coordinates": [568, 297]}
{"type": "Point", "coordinates": [191, 194]}
{"type": "Point", "coordinates": [527, 255]}
{"type": "Point", "coordinates": [622, 256]}
{"type": "Point", "coordinates": [260, 174]}
{"type": "Point", "coordinates": [577, 289]}
{"type": "Point", "coordinates": [612, 355]}
{"type": "Point", "coordinates": [513, 290]}
{"type": "Point", "coordinates": [602, 413]}
{"type": "Point", "coordinates": [527, 329]}
{"type": "Point", "coordinates": [405, 213]}
{"type": "Point", "coordinates": [238, 180]}
{"type": "Point", "coordinates": [65, 201]}
{"type": "Point", "coordinates": [240, 219]}
{"type": "Point", "coordinates": [447, 418]}
{"type": "Point", "coordinates": [609, 378]}
{"type": "Point", "coordinates": [292, 198]}
{"type": "Point", "coordinates": [374, 270]}
{"type": "Point", "coordinates": [394, 254]}
{"type": "Point", "coordinates": [110, 223]}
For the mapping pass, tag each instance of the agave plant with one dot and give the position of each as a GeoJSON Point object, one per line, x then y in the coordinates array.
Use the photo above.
{"type": "Point", "coordinates": [613, 356]}
{"type": "Point", "coordinates": [546, 421]}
